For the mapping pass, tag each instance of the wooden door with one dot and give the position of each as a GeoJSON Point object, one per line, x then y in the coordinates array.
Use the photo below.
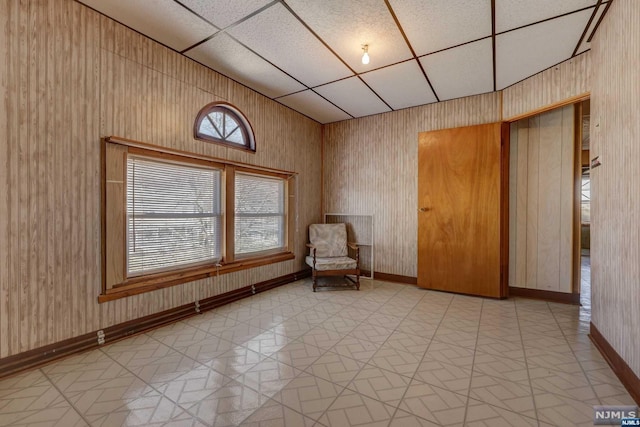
{"type": "Point", "coordinates": [461, 210]}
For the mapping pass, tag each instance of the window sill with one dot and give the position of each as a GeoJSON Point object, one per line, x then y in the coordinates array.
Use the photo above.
{"type": "Point", "coordinates": [152, 282]}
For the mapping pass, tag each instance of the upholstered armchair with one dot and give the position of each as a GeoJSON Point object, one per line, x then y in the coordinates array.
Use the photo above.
{"type": "Point", "coordinates": [329, 253]}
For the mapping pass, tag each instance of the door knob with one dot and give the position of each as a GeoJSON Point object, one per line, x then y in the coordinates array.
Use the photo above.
{"type": "Point", "coordinates": [425, 209]}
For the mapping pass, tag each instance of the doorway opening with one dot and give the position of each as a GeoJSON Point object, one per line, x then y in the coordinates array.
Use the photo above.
{"type": "Point", "coordinates": [585, 207]}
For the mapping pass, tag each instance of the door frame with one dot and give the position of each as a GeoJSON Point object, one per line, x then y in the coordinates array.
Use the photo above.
{"type": "Point", "coordinates": [577, 169]}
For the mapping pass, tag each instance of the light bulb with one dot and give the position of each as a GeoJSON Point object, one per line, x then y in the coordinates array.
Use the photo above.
{"type": "Point", "coordinates": [365, 54]}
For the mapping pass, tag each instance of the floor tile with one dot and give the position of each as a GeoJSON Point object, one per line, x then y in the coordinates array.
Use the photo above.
{"type": "Point", "coordinates": [29, 399]}
{"type": "Point", "coordinates": [353, 409]}
{"type": "Point", "coordinates": [389, 355]}
{"type": "Point", "coordinates": [193, 386]}
{"type": "Point", "coordinates": [267, 342]}
{"type": "Point", "coordinates": [399, 361]}
{"type": "Point", "coordinates": [405, 419]}
{"type": "Point", "coordinates": [509, 395]}
{"type": "Point", "coordinates": [449, 377]}
{"type": "Point", "coordinates": [292, 328]}
{"type": "Point", "coordinates": [212, 324]}
{"type": "Point", "coordinates": [354, 348]}
{"type": "Point", "coordinates": [298, 354]}
{"type": "Point", "coordinates": [268, 377]}
{"type": "Point", "coordinates": [321, 337]}
{"type": "Point", "coordinates": [335, 368]}
{"type": "Point", "coordinates": [562, 411]}
{"type": "Point", "coordinates": [229, 406]}
{"type": "Point", "coordinates": [155, 410]}
{"type": "Point", "coordinates": [483, 415]}
{"type": "Point", "coordinates": [274, 414]}
{"type": "Point", "coordinates": [450, 354]}
{"type": "Point", "coordinates": [380, 384]}
{"type": "Point", "coordinates": [236, 361]}
{"type": "Point", "coordinates": [456, 337]}
{"type": "Point", "coordinates": [308, 395]}
{"type": "Point", "coordinates": [434, 404]}
{"type": "Point", "coordinates": [501, 367]}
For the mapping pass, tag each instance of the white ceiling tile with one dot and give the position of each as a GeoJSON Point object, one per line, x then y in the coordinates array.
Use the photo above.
{"type": "Point", "coordinates": [401, 86]}
{"type": "Point", "coordinates": [516, 13]}
{"type": "Point", "coordinates": [347, 25]}
{"type": "Point", "coordinates": [162, 20]}
{"type": "Point", "coordinates": [230, 58]}
{"type": "Point", "coordinates": [280, 38]}
{"type": "Point", "coordinates": [313, 105]}
{"type": "Point", "coordinates": [461, 71]}
{"type": "Point", "coordinates": [527, 51]}
{"type": "Point", "coordinates": [223, 13]}
{"type": "Point", "coordinates": [431, 25]}
{"type": "Point", "coordinates": [353, 96]}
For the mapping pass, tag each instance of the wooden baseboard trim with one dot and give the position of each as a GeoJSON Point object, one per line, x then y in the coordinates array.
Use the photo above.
{"type": "Point", "coordinates": [395, 278]}
{"type": "Point", "coordinates": [550, 296]}
{"type": "Point", "coordinates": [42, 355]}
{"type": "Point", "coordinates": [624, 373]}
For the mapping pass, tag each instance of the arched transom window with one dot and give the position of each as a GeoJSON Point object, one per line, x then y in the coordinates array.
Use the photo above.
{"type": "Point", "coordinates": [222, 123]}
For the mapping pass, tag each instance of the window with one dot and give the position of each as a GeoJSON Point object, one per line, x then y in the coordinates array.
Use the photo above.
{"type": "Point", "coordinates": [222, 123]}
{"type": "Point", "coordinates": [172, 217]}
{"type": "Point", "coordinates": [259, 214]}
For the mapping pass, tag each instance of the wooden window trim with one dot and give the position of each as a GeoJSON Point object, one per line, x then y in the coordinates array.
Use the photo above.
{"type": "Point", "coordinates": [115, 283]}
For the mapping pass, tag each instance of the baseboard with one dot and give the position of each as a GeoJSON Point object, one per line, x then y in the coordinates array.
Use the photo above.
{"type": "Point", "coordinates": [395, 278]}
{"type": "Point", "coordinates": [551, 296]}
{"type": "Point", "coordinates": [42, 355]}
{"type": "Point", "coordinates": [624, 373]}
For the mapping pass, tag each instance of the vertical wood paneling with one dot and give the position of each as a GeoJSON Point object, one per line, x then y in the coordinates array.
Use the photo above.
{"type": "Point", "coordinates": [542, 190]}
{"type": "Point", "coordinates": [69, 76]}
{"type": "Point", "coordinates": [549, 201]}
{"type": "Point", "coordinates": [615, 186]}
{"type": "Point", "coordinates": [533, 167]}
{"type": "Point", "coordinates": [371, 169]}
{"type": "Point", "coordinates": [556, 84]}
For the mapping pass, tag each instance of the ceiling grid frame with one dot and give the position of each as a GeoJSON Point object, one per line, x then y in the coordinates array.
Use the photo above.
{"type": "Point", "coordinates": [132, 15]}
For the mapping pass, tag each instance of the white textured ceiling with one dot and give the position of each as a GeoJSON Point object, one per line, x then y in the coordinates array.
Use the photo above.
{"type": "Point", "coordinates": [306, 54]}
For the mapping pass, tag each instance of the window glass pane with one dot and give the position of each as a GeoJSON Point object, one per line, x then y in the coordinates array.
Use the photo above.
{"type": "Point", "coordinates": [173, 215]}
{"type": "Point", "coordinates": [236, 137]}
{"type": "Point", "coordinates": [259, 213]}
{"type": "Point", "coordinates": [206, 128]}
{"type": "Point", "coordinates": [230, 125]}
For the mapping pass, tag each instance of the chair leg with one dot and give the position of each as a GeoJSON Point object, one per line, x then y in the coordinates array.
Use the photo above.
{"type": "Point", "coordinates": [357, 282]}
{"type": "Point", "coordinates": [314, 281]}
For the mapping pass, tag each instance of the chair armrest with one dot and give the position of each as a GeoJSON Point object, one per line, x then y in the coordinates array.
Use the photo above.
{"type": "Point", "coordinates": [352, 245]}
{"type": "Point", "coordinates": [309, 245]}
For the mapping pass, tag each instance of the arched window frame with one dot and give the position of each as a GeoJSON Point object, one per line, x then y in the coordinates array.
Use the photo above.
{"type": "Point", "coordinates": [227, 110]}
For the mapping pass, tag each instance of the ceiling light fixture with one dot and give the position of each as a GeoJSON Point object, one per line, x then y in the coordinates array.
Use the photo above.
{"type": "Point", "coordinates": [365, 54]}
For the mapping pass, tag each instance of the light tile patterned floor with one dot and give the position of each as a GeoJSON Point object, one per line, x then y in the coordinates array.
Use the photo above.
{"type": "Point", "coordinates": [389, 355]}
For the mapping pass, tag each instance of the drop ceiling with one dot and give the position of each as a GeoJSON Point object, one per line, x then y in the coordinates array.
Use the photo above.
{"type": "Point", "coordinates": [306, 54]}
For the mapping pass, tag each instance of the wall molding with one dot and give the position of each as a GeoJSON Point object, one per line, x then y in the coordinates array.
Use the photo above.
{"type": "Point", "coordinates": [42, 355]}
{"type": "Point", "coordinates": [395, 278]}
{"type": "Point", "coordinates": [625, 374]}
{"type": "Point", "coordinates": [550, 296]}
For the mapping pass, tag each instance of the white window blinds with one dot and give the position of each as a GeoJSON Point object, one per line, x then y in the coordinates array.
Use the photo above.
{"type": "Point", "coordinates": [259, 213]}
{"type": "Point", "coordinates": [174, 215]}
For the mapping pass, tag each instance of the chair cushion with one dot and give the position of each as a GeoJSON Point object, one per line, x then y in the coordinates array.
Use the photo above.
{"type": "Point", "coordinates": [330, 240]}
{"type": "Point", "coordinates": [332, 263]}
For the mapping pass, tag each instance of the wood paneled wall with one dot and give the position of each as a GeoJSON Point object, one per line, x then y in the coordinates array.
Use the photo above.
{"type": "Point", "coordinates": [615, 186]}
{"type": "Point", "coordinates": [567, 80]}
{"type": "Point", "coordinates": [371, 168]}
{"type": "Point", "coordinates": [541, 197]}
{"type": "Point", "coordinates": [69, 76]}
